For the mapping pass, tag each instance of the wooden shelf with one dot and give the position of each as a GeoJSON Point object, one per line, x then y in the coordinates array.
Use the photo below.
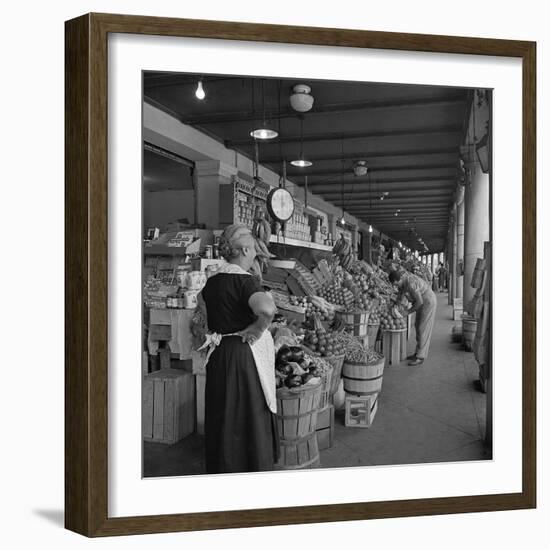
{"type": "Point", "coordinates": [164, 250]}
{"type": "Point", "coordinates": [296, 242]}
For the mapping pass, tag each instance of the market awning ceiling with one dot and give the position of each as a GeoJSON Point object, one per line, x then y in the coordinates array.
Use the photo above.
{"type": "Point", "coordinates": [409, 136]}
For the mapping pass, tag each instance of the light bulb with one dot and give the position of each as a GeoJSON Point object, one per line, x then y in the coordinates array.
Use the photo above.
{"type": "Point", "coordinates": [199, 92]}
{"type": "Point", "coordinates": [343, 221]}
{"type": "Point", "coordinates": [370, 228]}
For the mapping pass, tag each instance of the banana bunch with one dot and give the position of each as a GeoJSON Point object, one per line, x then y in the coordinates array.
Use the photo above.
{"type": "Point", "coordinates": [396, 313]}
{"type": "Point", "coordinates": [261, 230]}
{"type": "Point", "coordinates": [341, 246]}
{"type": "Point", "coordinates": [342, 249]}
{"type": "Point", "coordinates": [262, 254]}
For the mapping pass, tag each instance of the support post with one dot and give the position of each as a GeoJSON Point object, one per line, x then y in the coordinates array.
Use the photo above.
{"type": "Point", "coordinates": [210, 175]}
{"type": "Point", "coordinates": [476, 221]}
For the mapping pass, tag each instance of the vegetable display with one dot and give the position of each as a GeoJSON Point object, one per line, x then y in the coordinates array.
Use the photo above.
{"type": "Point", "coordinates": [323, 342]}
{"type": "Point", "coordinates": [355, 351]}
{"type": "Point", "coordinates": [295, 368]}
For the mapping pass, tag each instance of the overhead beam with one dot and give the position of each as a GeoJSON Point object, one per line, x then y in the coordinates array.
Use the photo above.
{"type": "Point", "coordinates": [374, 201]}
{"type": "Point", "coordinates": [440, 206]}
{"type": "Point", "coordinates": [338, 136]}
{"type": "Point", "coordinates": [370, 155]}
{"type": "Point", "coordinates": [374, 198]}
{"type": "Point", "coordinates": [171, 79]}
{"type": "Point", "coordinates": [375, 169]}
{"type": "Point", "coordinates": [226, 117]}
{"type": "Point", "coordinates": [373, 184]}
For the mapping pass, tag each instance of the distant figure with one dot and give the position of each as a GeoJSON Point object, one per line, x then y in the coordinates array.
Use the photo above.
{"type": "Point", "coordinates": [435, 281]}
{"type": "Point", "coordinates": [424, 303]}
{"type": "Point", "coordinates": [442, 276]}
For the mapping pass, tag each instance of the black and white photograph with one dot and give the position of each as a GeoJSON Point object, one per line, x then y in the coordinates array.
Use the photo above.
{"type": "Point", "coordinates": [316, 274]}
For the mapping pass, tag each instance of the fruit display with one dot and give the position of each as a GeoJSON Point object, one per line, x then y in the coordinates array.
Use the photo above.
{"type": "Point", "coordinates": [390, 321]}
{"type": "Point", "coordinates": [317, 306]}
{"type": "Point", "coordinates": [326, 343]}
{"type": "Point", "coordinates": [294, 367]}
{"type": "Point", "coordinates": [335, 293]}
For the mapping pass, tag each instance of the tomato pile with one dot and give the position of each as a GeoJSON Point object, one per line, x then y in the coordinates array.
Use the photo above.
{"type": "Point", "coordinates": [301, 301]}
{"type": "Point", "coordinates": [336, 294]}
{"type": "Point", "coordinates": [325, 343]}
{"type": "Point", "coordinates": [389, 322]}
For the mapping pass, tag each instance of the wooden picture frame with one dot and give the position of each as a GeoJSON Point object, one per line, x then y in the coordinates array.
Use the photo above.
{"type": "Point", "coordinates": [86, 418]}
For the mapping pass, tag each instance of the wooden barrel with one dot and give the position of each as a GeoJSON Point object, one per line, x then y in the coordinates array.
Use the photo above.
{"type": "Point", "coordinates": [299, 453]}
{"type": "Point", "coordinates": [326, 384]}
{"type": "Point", "coordinates": [297, 411]}
{"type": "Point", "coordinates": [469, 328]}
{"type": "Point", "coordinates": [372, 334]}
{"type": "Point", "coordinates": [356, 322]}
{"type": "Point", "coordinates": [336, 361]}
{"type": "Point", "coordinates": [363, 378]}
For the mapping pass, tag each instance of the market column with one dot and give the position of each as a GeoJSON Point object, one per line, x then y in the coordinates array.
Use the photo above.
{"type": "Point", "coordinates": [367, 246]}
{"type": "Point", "coordinates": [476, 221]}
{"type": "Point", "coordinates": [454, 255]}
{"type": "Point", "coordinates": [355, 241]}
{"type": "Point", "coordinates": [460, 248]}
{"type": "Point", "coordinates": [449, 258]}
{"type": "Point", "coordinates": [208, 176]}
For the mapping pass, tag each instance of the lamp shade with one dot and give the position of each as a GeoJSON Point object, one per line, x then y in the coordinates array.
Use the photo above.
{"type": "Point", "coordinates": [300, 99]}
{"type": "Point", "coordinates": [264, 132]}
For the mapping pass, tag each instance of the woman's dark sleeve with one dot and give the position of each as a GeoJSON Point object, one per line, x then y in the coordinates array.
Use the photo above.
{"type": "Point", "coordinates": [250, 286]}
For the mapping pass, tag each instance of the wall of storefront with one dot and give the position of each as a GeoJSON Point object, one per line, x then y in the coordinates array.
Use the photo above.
{"type": "Point", "coordinates": [163, 207]}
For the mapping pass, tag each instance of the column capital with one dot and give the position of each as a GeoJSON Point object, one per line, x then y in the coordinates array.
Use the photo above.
{"type": "Point", "coordinates": [470, 160]}
{"type": "Point", "coordinates": [212, 167]}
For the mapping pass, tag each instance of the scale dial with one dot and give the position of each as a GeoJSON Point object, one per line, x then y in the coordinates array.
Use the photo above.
{"type": "Point", "coordinates": [280, 204]}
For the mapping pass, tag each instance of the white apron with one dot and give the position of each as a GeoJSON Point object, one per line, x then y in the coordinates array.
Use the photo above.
{"type": "Point", "coordinates": [263, 349]}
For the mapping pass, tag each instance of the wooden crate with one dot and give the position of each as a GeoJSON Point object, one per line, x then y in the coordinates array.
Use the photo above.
{"type": "Point", "coordinates": [325, 428]}
{"type": "Point", "coordinates": [360, 410]}
{"type": "Point", "coordinates": [168, 410]}
{"type": "Point", "coordinates": [394, 346]}
{"type": "Point", "coordinates": [457, 309]}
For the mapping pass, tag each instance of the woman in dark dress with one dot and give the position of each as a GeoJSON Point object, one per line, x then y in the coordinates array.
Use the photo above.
{"type": "Point", "coordinates": [240, 429]}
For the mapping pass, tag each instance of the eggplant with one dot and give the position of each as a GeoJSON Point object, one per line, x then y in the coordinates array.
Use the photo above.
{"type": "Point", "coordinates": [283, 355]}
{"type": "Point", "coordinates": [293, 381]}
{"type": "Point", "coordinates": [297, 354]}
{"type": "Point", "coordinates": [285, 369]}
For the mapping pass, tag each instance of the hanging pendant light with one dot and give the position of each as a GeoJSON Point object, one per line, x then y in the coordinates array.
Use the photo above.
{"type": "Point", "coordinates": [265, 130]}
{"type": "Point", "coordinates": [301, 162]}
{"type": "Point", "coordinates": [360, 168]}
{"type": "Point", "coordinates": [199, 92]}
